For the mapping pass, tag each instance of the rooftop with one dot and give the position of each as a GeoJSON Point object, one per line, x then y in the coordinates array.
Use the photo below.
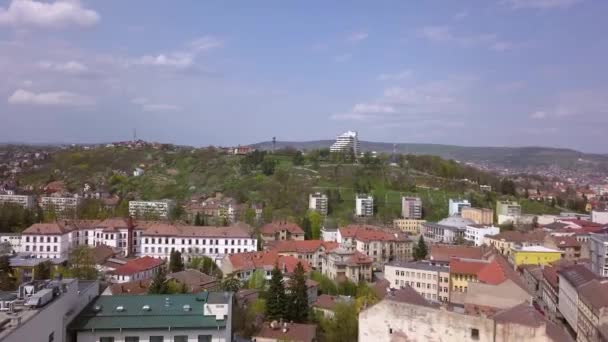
{"type": "Point", "coordinates": [264, 260]}
{"type": "Point", "coordinates": [418, 265]}
{"type": "Point", "coordinates": [577, 275]}
{"type": "Point", "coordinates": [288, 332]}
{"type": "Point", "coordinates": [138, 265]}
{"type": "Point", "coordinates": [136, 287]}
{"type": "Point", "coordinates": [443, 253]}
{"type": "Point", "coordinates": [372, 233]}
{"type": "Point", "coordinates": [25, 260]}
{"type": "Point", "coordinates": [536, 249]}
{"type": "Point", "coordinates": [519, 237]}
{"type": "Point", "coordinates": [303, 246]}
{"type": "Point", "coordinates": [278, 226]}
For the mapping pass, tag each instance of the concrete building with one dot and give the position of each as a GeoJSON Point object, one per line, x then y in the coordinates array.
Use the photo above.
{"type": "Point", "coordinates": [242, 265]}
{"type": "Point", "coordinates": [455, 206]}
{"type": "Point", "coordinates": [571, 278]}
{"type": "Point", "coordinates": [45, 321]}
{"type": "Point", "coordinates": [506, 241]}
{"type": "Point", "coordinates": [599, 216]}
{"type": "Point", "coordinates": [24, 266]}
{"type": "Point", "coordinates": [313, 251]}
{"type": "Point", "coordinates": [13, 240]}
{"type": "Point", "coordinates": [151, 209]}
{"type": "Point", "coordinates": [341, 264]}
{"type": "Point", "coordinates": [347, 142]}
{"type": "Point", "coordinates": [204, 316]}
{"type": "Point", "coordinates": [593, 311]}
{"type": "Point", "coordinates": [364, 205]}
{"type": "Point", "coordinates": [477, 232]}
{"type": "Point", "coordinates": [318, 203]}
{"type": "Point", "coordinates": [25, 201]}
{"type": "Point", "coordinates": [61, 206]}
{"type": "Point", "coordinates": [478, 215]}
{"type": "Point", "coordinates": [598, 253]}
{"type": "Point", "coordinates": [430, 281]}
{"type": "Point", "coordinates": [534, 255]}
{"type": "Point", "coordinates": [410, 226]}
{"type": "Point", "coordinates": [329, 234]}
{"type": "Point", "coordinates": [379, 244]}
{"type": "Point", "coordinates": [569, 246]}
{"type": "Point", "coordinates": [439, 233]}
{"type": "Point", "coordinates": [508, 208]}
{"type": "Point", "coordinates": [136, 269]}
{"type": "Point", "coordinates": [47, 240]}
{"type": "Point", "coordinates": [411, 207]}
{"type": "Point", "coordinates": [281, 231]}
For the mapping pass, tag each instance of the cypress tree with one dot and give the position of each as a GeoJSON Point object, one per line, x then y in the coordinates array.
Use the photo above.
{"type": "Point", "coordinates": [277, 300]}
{"type": "Point", "coordinates": [158, 284]}
{"type": "Point", "coordinates": [176, 263]}
{"type": "Point", "coordinates": [420, 250]}
{"type": "Point", "coordinates": [298, 296]}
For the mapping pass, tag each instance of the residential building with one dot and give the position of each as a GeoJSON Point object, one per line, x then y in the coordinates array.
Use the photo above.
{"type": "Point", "coordinates": [463, 272]}
{"type": "Point", "coordinates": [455, 206]}
{"type": "Point", "coordinates": [347, 142]}
{"type": "Point", "coordinates": [456, 221]}
{"type": "Point", "coordinates": [487, 188]}
{"type": "Point", "coordinates": [404, 315]}
{"type": "Point", "coordinates": [24, 266]}
{"type": "Point", "coordinates": [410, 226]}
{"type": "Point", "coordinates": [504, 242]}
{"type": "Point", "coordinates": [326, 304]}
{"type": "Point", "coordinates": [137, 269]}
{"type": "Point", "coordinates": [151, 209]}
{"type": "Point", "coordinates": [61, 206]}
{"type": "Point", "coordinates": [411, 207]}
{"type": "Point", "coordinates": [592, 317]}
{"type": "Point", "coordinates": [204, 316]}
{"type": "Point", "coordinates": [25, 201]}
{"type": "Point", "coordinates": [48, 319]}
{"type": "Point", "coordinates": [600, 217]}
{"type": "Point", "coordinates": [47, 240]}
{"type": "Point", "coordinates": [550, 291]}
{"type": "Point", "coordinates": [137, 287]}
{"type": "Point", "coordinates": [364, 205]}
{"type": "Point", "coordinates": [340, 264]}
{"type": "Point", "coordinates": [329, 234]}
{"type": "Point", "coordinates": [430, 281]}
{"type": "Point", "coordinates": [598, 253]}
{"type": "Point", "coordinates": [534, 255]}
{"type": "Point", "coordinates": [286, 331]}
{"type": "Point", "coordinates": [533, 277]}
{"type": "Point", "coordinates": [280, 231]}
{"type": "Point", "coordinates": [195, 281]}
{"type": "Point", "coordinates": [508, 208]}
{"type": "Point", "coordinates": [13, 240]}
{"type": "Point", "coordinates": [478, 215]}
{"type": "Point", "coordinates": [242, 265]}
{"type": "Point", "coordinates": [318, 203]}
{"type": "Point", "coordinates": [313, 251]}
{"type": "Point", "coordinates": [570, 279]}
{"type": "Point", "coordinates": [477, 232]}
{"type": "Point", "coordinates": [379, 244]}
{"type": "Point", "coordinates": [439, 233]}
{"type": "Point", "coordinates": [442, 254]}
{"type": "Point", "coordinates": [568, 245]}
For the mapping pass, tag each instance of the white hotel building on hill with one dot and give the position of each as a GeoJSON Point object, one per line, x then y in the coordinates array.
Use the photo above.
{"type": "Point", "coordinates": [137, 238]}
{"type": "Point", "coordinates": [347, 142]}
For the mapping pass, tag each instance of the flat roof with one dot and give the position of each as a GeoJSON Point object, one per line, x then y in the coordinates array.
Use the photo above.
{"type": "Point", "coordinates": [19, 261]}
{"type": "Point", "coordinates": [536, 249]}
{"type": "Point", "coordinates": [418, 265]}
{"type": "Point", "coordinates": [166, 312]}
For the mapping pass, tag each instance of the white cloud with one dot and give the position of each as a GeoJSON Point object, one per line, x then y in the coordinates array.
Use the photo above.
{"type": "Point", "coordinates": [175, 60]}
{"type": "Point", "coordinates": [71, 67]}
{"type": "Point", "coordinates": [357, 37]}
{"type": "Point", "coordinates": [55, 98]}
{"type": "Point", "coordinates": [538, 115]}
{"type": "Point", "coordinates": [147, 106]}
{"type": "Point", "coordinates": [206, 43]}
{"type": "Point", "coordinates": [444, 34]}
{"type": "Point", "coordinates": [395, 77]}
{"type": "Point", "coordinates": [363, 108]}
{"type": "Point", "coordinates": [54, 15]}
{"type": "Point", "coordinates": [541, 4]}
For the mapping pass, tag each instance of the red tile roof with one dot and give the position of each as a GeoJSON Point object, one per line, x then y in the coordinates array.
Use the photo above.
{"type": "Point", "coordinates": [517, 236]}
{"type": "Point", "coordinates": [462, 266]}
{"type": "Point", "coordinates": [303, 246]}
{"type": "Point", "coordinates": [359, 258]}
{"type": "Point", "coordinates": [136, 287]}
{"type": "Point", "coordinates": [295, 332]}
{"type": "Point", "coordinates": [239, 230]}
{"type": "Point", "coordinates": [138, 265]}
{"type": "Point", "coordinates": [371, 233]}
{"type": "Point", "coordinates": [265, 260]}
{"type": "Point", "coordinates": [326, 302]}
{"type": "Point", "coordinates": [595, 293]}
{"type": "Point", "coordinates": [566, 242]}
{"type": "Point", "coordinates": [55, 228]}
{"type": "Point", "coordinates": [581, 223]}
{"type": "Point", "coordinates": [278, 226]}
{"type": "Point", "coordinates": [444, 253]}
{"type": "Point", "coordinates": [493, 274]}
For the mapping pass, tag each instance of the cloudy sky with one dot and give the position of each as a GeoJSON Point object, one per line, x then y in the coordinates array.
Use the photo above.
{"type": "Point", "coordinates": [487, 72]}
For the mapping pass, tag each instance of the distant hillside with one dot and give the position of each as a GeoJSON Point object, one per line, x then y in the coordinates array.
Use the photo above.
{"type": "Point", "coordinates": [508, 157]}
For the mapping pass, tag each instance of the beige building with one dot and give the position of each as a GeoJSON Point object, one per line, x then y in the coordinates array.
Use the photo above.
{"type": "Point", "coordinates": [280, 231]}
{"type": "Point", "coordinates": [430, 281]}
{"type": "Point", "coordinates": [568, 245]}
{"type": "Point", "coordinates": [506, 241]}
{"type": "Point", "coordinates": [593, 312]}
{"type": "Point", "coordinates": [342, 264]}
{"type": "Point", "coordinates": [478, 215]}
{"type": "Point", "coordinates": [313, 251]}
{"type": "Point", "coordinates": [379, 244]}
{"type": "Point", "coordinates": [409, 226]}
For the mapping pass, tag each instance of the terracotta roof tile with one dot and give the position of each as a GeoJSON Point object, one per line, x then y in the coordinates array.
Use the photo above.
{"type": "Point", "coordinates": [132, 287]}
{"type": "Point", "coordinates": [595, 293]}
{"type": "Point", "coordinates": [277, 226]}
{"type": "Point", "coordinates": [295, 332]}
{"type": "Point", "coordinates": [303, 246]}
{"type": "Point", "coordinates": [264, 260]}
{"type": "Point", "coordinates": [138, 265]}
{"type": "Point", "coordinates": [326, 302]}
{"type": "Point", "coordinates": [101, 253]}
{"type": "Point", "coordinates": [372, 233]}
{"type": "Point", "coordinates": [462, 266]}
{"type": "Point", "coordinates": [493, 274]}
{"type": "Point", "coordinates": [519, 237]}
{"type": "Point", "coordinates": [406, 294]}
{"type": "Point", "coordinates": [443, 253]}
{"type": "Point", "coordinates": [566, 242]}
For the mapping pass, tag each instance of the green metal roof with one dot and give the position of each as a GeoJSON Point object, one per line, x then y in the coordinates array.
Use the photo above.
{"type": "Point", "coordinates": [165, 312]}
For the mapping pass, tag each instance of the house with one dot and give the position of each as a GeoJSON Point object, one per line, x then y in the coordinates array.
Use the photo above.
{"type": "Point", "coordinates": [442, 254]}
{"type": "Point", "coordinates": [242, 265]}
{"type": "Point", "coordinates": [283, 331]}
{"type": "Point", "coordinates": [440, 233]}
{"type": "Point", "coordinates": [326, 304]}
{"type": "Point", "coordinates": [135, 287]}
{"type": "Point", "coordinates": [137, 269]}
{"type": "Point", "coordinates": [476, 233]}
{"type": "Point", "coordinates": [313, 251]}
{"type": "Point", "coordinates": [341, 264]}
{"type": "Point", "coordinates": [204, 316]}
{"type": "Point", "coordinates": [410, 226]}
{"type": "Point", "coordinates": [534, 255]}
{"type": "Point", "coordinates": [24, 265]}
{"type": "Point", "coordinates": [379, 244]}
{"type": "Point", "coordinates": [568, 245]}
{"type": "Point", "coordinates": [593, 311]}
{"type": "Point", "coordinates": [507, 240]}
{"type": "Point", "coordinates": [281, 230]}
{"type": "Point", "coordinates": [195, 281]}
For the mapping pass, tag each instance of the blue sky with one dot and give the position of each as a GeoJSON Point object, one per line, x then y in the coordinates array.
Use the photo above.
{"type": "Point", "coordinates": [490, 72]}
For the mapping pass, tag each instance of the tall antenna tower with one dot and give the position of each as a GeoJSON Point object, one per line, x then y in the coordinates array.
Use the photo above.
{"type": "Point", "coordinates": [274, 143]}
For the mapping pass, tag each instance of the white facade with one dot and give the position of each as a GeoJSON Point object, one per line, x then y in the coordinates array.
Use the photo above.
{"type": "Point", "coordinates": [318, 202]}
{"type": "Point", "coordinates": [14, 240]}
{"type": "Point", "coordinates": [432, 282]}
{"type": "Point", "coordinates": [455, 206]}
{"type": "Point", "coordinates": [25, 201]}
{"type": "Point", "coordinates": [364, 206]}
{"type": "Point", "coordinates": [214, 247]}
{"type": "Point", "coordinates": [142, 208]}
{"type": "Point", "coordinates": [51, 246]}
{"type": "Point", "coordinates": [568, 301]}
{"type": "Point", "coordinates": [329, 234]}
{"type": "Point", "coordinates": [476, 233]}
{"type": "Point", "coordinates": [600, 217]}
{"type": "Point", "coordinates": [346, 143]}
{"type": "Point", "coordinates": [144, 335]}
{"type": "Point", "coordinates": [598, 253]}
{"type": "Point", "coordinates": [60, 204]}
{"type": "Point", "coordinates": [411, 207]}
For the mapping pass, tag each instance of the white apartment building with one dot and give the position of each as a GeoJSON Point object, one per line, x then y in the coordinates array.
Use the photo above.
{"type": "Point", "coordinates": [13, 240]}
{"type": "Point", "coordinates": [364, 205]}
{"type": "Point", "coordinates": [141, 209]}
{"type": "Point", "coordinates": [600, 217]}
{"type": "Point", "coordinates": [411, 207]}
{"type": "Point", "coordinates": [60, 204]}
{"type": "Point", "coordinates": [598, 253]}
{"type": "Point", "coordinates": [346, 143]}
{"type": "Point", "coordinates": [455, 206]}
{"type": "Point", "coordinates": [570, 279]}
{"type": "Point", "coordinates": [430, 281]}
{"type": "Point", "coordinates": [47, 240]}
{"type": "Point", "coordinates": [476, 233]}
{"type": "Point", "coordinates": [318, 203]}
{"type": "Point", "coordinates": [25, 201]}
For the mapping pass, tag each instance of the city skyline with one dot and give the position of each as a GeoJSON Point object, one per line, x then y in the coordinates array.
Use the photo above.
{"type": "Point", "coordinates": [472, 73]}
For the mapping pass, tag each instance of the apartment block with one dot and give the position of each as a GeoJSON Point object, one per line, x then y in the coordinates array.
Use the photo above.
{"type": "Point", "coordinates": [379, 244]}
{"type": "Point", "coordinates": [318, 203]}
{"type": "Point", "coordinates": [508, 208]}
{"type": "Point", "coordinates": [151, 209]}
{"type": "Point", "coordinates": [598, 253]}
{"type": "Point", "coordinates": [364, 205]}
{"type": "Point", "coordinates": [342, 263]}
{"type": "Point", "coordinates": [60, 205]}
{"type": "Point", "coordinates": [430, 281]}
{"type": "Point", "coordinates": [455, 206]}
{"type": "Point", "coordinates": [478, 215]}
{"type": "Point", "coordinates": [411, 208]}
{"type": "Point", "coordinates": [25, 201]}
{"type": "Point", "coordinates": [409, 226]}
{"type": "Point", "coordinates": [477, 232]}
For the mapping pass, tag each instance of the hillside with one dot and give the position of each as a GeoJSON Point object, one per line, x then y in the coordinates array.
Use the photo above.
{"type": "Point", "coordinates": [502, 157]}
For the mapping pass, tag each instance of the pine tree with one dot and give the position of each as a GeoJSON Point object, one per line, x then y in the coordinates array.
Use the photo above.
{"type": "Point", "coordinates": [297, 310]}
{"type": "Point", "coordinates": [277, 300]}
{"type": "Point", "coordinates": [420, 250]}
{"type": "Point", "coordinates": [197, 219]}
{"type": "Point", "coordinates": [158, 284]}
{"type": "Point", "coordinates": [176, 263]}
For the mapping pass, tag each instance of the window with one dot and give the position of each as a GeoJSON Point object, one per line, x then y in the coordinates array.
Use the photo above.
{"type": "Point", "coordinates": [156, 339]}
{"type": "Point", "coordinates": [106, 339]}
{"type": "Point", "coordinates": [474, 334]}
{"type": "Point", "coordinates": [146, 240]}
{"type": "Point", "coordinates": [52, 337]}
{"type": "Point", "coordinates": [396, 273]}
{"type": "Point", "coordinates": [27, 239]}
{"type": "Point", "coordinates": [132, 339]}
{"type": "Point", "coordinates": [55, 239]}
{"type": "Point", "coordinates": [180, 338]}
{"type": "Point", "coordinates": [54, 248]}
{"type": "Point", "coordinates": [204, 338]}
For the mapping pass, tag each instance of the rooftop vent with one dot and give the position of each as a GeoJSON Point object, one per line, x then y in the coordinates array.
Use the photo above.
{"type": "Point", "coordinates": [187, 307]}
{"type": "Point", "coordinates": [146, 308]}
{"type": "Point", "coordinates": [97, 308]}
{"type": "Point", "coordinates": [120, 308]}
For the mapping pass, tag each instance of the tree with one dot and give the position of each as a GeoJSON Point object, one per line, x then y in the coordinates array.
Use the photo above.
{"type": "Point", "coordinates": [231, 284]}
{"type": "Point", "coordinates": [257, 280]}
{"type": "Point", "coordinates": [268, 166]}
{"type": "Point", "coordinates": [206, 265]}
{"type": "Point", "coordinates": [159, 284]}
{"type": "Point", "coordinates": [197, 219]}
{"type": "Point", "coordinates": [298, 159]}
{"type": "Point", "coordinates": [276, 301]}
{"type": "Point", "coordinates": [250, 216]}
{"type": "Point", "coordinates": [82, 263]}
{"type": "Point", "coordinates": [7, 281]}
{"type": "Point", "coordinates": [316, 220]}
{"type": "Point", "coordinates": [42, 271]}
{"type": "Point", "coordinates": [343, 326]}
{"type": "Point", "coordinates": [306, 227]}
{"type": "Point", "coordinates": [420, 250]}
{"type": "Point", "coordinates": [176, 264]}
{"type": "Point", "coordinates": [297, 309]}
{"type": "Point", "coordinates": [326, 285]}
{"type": "Point", "coordinates": [175, 287]}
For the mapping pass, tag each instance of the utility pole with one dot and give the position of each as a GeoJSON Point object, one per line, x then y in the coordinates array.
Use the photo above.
{"type": "Point", "coordinates": [274, 143]}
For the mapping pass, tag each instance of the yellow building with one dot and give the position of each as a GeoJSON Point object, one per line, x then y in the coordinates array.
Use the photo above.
{"type": "Point", "coordinates": [534, 255]}
{"type": "Point", "coordinates": [410, 226]}
{"type": "Point", "coordinates": [463, 272]}
{"type": "Point", "coordinates": [478, 215]}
